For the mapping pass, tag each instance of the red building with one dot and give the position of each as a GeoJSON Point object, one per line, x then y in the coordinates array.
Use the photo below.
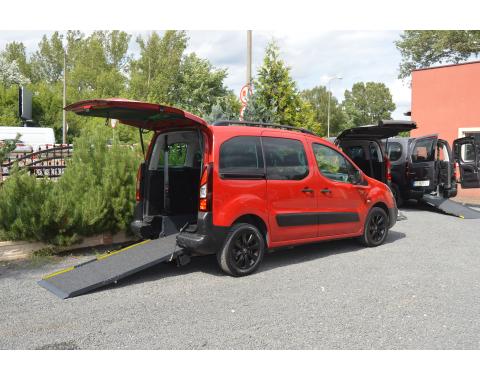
{"type": "Point", "coordinates": [446, 100]}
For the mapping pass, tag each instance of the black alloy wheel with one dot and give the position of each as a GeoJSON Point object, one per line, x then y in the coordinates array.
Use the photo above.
{"type": "Point", "coordinates": [376, 228]}
{"type": "Point", "coordinates": [243, 250]}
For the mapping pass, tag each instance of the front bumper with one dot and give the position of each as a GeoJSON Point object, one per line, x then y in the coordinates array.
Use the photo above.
{"type": "Point", "coordinates": [392, 216]}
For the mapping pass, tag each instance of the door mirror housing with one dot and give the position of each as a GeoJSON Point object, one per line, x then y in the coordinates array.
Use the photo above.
{"type": "Point", "coordinates": [356, 177]}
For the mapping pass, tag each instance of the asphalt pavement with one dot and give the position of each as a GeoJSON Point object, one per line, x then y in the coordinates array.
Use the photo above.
{"type": "Point", "coordinates": [420, 290]}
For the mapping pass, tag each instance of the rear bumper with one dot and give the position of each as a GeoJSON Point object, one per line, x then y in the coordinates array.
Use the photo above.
{"type": "Point", "coordinates": [206, 238]}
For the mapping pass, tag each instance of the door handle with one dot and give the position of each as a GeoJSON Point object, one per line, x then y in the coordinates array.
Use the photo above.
{"type": "Point", "coordinates": [325, 191]}
{"type": "Point", "coordinates": [307, 190]}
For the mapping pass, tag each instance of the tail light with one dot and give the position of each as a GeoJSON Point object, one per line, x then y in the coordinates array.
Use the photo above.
{"type": "Point", "coordinates": [138, 185]}
{"type": "Point", "coordinates": [389, 169]}
{"type": "Point", "coordinates": [206, 187]}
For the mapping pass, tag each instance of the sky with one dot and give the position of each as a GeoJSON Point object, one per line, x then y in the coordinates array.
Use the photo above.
{"type": "Point", "coordinates": [313, 56]}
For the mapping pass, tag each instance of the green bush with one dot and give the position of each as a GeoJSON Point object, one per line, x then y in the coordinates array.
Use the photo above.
{"type": "Point", "coordinates": [95, 194]}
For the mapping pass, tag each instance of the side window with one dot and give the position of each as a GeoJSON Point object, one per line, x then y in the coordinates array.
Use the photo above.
{"type": "Point", "coordinates": [285, 158]}
{"type": "Point", "coordinates": [241, 157]}
{"type": "Point", "coordinates": [423, 150]}
{"type": "Point", "coordinates": [468, 152]}
{"type": "Point", "coordinates": [394, 151]}
{"type": "Point", "coordinates": [332, 164]}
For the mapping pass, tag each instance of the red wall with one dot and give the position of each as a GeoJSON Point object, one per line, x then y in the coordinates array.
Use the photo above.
{"type": "Point", "coordinates": [445, 99]}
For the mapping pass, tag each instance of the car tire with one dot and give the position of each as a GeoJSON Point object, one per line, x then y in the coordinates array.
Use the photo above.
{"type": "Point", "coordinates": [242, 251]}
{"type": "Point", "coordinates": [397, 195]}
{"type": "Point", "coordinates": [376, 228]}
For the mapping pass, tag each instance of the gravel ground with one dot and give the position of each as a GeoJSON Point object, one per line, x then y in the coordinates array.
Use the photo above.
{"type": "Point", "coordinates": [420, 290]}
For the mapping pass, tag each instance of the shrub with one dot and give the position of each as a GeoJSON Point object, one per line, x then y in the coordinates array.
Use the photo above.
{"type": "Point", "coordinates": [94, 195]}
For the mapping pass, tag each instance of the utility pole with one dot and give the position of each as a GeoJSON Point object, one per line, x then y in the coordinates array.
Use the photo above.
{"type": "Point", "coordinates": [249, 57]}
{"type": "Point", "coordinates": [64, 116]}
{"type": "Point", "coordinates": [329, 97]}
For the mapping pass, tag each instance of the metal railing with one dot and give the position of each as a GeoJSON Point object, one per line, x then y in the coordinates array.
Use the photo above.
{"type": "Point", "coordinates": [46, 162]}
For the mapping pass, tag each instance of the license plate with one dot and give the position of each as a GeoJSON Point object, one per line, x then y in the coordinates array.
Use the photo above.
{"type": "Point", "coordinates": [421, 183]}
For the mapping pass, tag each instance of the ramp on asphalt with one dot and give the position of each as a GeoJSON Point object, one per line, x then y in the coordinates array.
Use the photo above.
{"type": "Point", "coordinates": [451, 207]}
{"type": "Point", "coordinates": [108, 268]}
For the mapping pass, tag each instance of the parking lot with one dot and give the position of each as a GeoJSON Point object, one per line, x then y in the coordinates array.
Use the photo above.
{"type": "Point", "coordinates": [420, 290]}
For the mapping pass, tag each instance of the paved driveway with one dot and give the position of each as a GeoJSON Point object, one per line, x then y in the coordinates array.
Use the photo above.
{"type": "Point", "coordinates": [419, 290]}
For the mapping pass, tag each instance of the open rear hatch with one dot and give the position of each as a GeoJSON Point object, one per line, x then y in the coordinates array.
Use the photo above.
{"type": "Point", "coordinates": [142, 115]}
{"type": "Point", "coordinates": [168, 182]}
{"type": "Point", "coordinates": [383, 130]}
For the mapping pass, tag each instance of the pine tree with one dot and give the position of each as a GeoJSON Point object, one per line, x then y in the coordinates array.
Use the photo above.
{"type": "Point", "coordinates": [275, 96]}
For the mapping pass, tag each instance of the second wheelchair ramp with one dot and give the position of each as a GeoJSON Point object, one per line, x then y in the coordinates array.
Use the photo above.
{"type": "Point", "coordinates": [451, 207]}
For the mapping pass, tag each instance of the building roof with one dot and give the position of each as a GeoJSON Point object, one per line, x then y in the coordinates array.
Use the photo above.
{"type": "Point", "coordinates": [449, 65]}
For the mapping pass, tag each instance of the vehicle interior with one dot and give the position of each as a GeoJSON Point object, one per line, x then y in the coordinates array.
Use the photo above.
{"type": "Point", "coordinates": [174, 190]}
{"type": "Point", "coordinates": [368, 156]}
{"type": "Point", "coordinates": [444, 161]}
{"type": "Point", "coordinates": [432, 161]}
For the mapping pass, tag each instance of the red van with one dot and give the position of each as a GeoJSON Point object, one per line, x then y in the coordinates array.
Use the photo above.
{"type": "Point", "coordinates": [237, 189]}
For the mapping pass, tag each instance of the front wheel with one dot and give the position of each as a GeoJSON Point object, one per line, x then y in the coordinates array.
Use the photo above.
{"type": "Point", "coordinates": [376, 228]}
{"type": "Point", "coordinates": [243, 250]}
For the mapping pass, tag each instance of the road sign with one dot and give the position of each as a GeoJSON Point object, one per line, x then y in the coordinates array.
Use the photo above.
{"type": "Point", "coordinates": [245, 92]}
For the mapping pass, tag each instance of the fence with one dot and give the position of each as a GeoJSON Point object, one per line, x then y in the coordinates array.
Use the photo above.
{"type": "Point", "coordinates": [49, 161]}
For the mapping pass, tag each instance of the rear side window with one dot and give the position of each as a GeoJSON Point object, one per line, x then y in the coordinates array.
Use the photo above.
{"type": "Point", "coordinates": [423, 151]}
{"type": "Point", "coordinates": [241, 157]}
{"type": "Point", "coordinates": [332, 164]}
{"type": "Point", "coordinates": [285, 158]}
{"type": "Point", "coordinates": [394, 151]}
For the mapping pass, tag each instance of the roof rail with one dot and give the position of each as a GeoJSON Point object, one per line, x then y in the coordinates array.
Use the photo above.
{"type": "Point", "coordinates": [261, 124]}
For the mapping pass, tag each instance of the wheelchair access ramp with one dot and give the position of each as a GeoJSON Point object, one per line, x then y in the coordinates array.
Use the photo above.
{"type": "Point", "coordinates": [451, 207]}
{"type": "Point", "coordinates": [110, 267]}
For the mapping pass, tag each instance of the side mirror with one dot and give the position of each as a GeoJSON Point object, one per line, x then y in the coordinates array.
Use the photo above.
{"type": "Point", "coordinates": [356, 178]}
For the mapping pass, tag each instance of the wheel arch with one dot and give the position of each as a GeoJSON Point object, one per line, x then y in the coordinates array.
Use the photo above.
{"type": "Point", "coordinates": [381, 205]}
{"type": "Point", "coordinates": [255, 220]}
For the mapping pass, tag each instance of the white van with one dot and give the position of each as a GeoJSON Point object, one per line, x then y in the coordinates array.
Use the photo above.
{"type": "Point", "coordinates": [31, 138]}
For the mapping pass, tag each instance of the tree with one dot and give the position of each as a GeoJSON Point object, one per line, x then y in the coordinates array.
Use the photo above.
{"type": "Point", "coordinates": [318, 99]}
{"type": "Point", "coordinates": [10, 73]}
{"type": "Point", "coordinates": [16, 52]}
{"type": "Point", "coordinates": [198, 86]}
{"type": "Point", "coordinates": [47, 61]}
{"type": "Point", "coordinates": [97, 65]}
{"type": "Point", "coordinates": [154, 73]}
{"type": "Point", "coordinates": [225, 108]}
{"type": "Point", "coordinates": [368, 103]}
{"type": "Point", "coordinates": [275, 95]}
{"type": "Point", "coordinates": [423, 48]}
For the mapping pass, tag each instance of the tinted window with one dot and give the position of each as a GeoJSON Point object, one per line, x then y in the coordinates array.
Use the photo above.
{"type": "Point", "coordinates": [423, 150]}
{"type": "Point", "coordinates": [394, 151]}
{"type": "Point", "coordinates": [241, 156]}
{"type": "Point", "coordinates": [285, 158]}
{"type": "Point", "coordinates": [332, 164]}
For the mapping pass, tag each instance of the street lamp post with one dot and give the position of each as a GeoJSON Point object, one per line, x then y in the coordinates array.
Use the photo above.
{"type": "Point", "coordinates": [64, 116]}
{"type": "Point", "coordinates": [329, 96]}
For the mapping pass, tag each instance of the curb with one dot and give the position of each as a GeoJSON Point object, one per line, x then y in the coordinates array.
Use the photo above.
{"type": "Point", "coordinates": [22, 250]}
